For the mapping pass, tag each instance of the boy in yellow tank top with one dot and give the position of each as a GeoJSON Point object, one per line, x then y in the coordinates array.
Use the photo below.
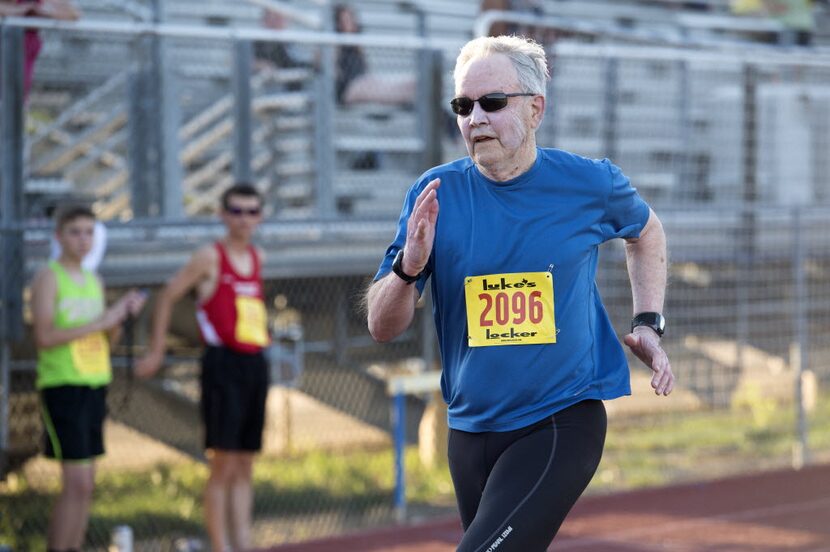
{"type": "Point", "coordinates": [73, 330]}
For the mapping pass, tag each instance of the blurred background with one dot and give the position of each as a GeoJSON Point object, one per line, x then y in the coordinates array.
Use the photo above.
{"type": "Point", "coordinates": [718, 111]}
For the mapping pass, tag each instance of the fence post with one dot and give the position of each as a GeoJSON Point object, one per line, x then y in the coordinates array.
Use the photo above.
{"type": "Point", "coordinates": [684, 108]}
{"type": "Point", "coordinates": [142, 183]}
{"type": "Point", "coordinates": [746, 241]}
{"type": "Point", "coordinates": [12, 145]}
{"type": "Point", "coordinates": [243, 127]}
{"type": "Point", "coordinates": [11, 211]}
{"type": "Point", "coordinates": [798, 349]}
{"type": "Point", "coordinates": [5, 395]}
{"type": "Point", "coordinates": [399, 429]}
{"type": "Point", "coordinates": [155, 167]}
{"type": "Point", "coordinates": [430, 112]}
{"type": "Point", "coordinates": [324, 127]}
{"type": "Point", "coordinates": [166, 118]}
{"type": "Point", "coordinates": [427, 331]}
{"type": "Point", "coordinates": [609, 134]}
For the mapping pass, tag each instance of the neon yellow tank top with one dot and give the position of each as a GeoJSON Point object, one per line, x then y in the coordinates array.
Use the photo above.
{"type": "Point", "coordinates": [83, 361]}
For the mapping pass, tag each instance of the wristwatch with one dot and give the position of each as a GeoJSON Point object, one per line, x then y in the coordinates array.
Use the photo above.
{"type": "Point", "coordinates": [653, 320]}
{"type": "Point", "coordinates": [398, 269]}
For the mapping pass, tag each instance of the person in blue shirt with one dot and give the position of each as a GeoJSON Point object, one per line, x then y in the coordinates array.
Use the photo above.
{"type": "Point", "coordinates": [528, 351]}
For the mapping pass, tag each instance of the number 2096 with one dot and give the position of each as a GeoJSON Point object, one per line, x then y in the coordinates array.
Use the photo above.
{"type": "Point", "coordinates": [516, 308]}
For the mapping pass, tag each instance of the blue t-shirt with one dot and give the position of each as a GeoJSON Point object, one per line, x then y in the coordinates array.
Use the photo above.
{"type": "Point", "coordinates": [557, 213]}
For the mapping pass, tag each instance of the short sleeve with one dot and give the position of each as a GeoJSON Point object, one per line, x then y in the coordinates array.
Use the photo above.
{"type": "Point", "coordinates": [400, 236]}
{"type": "Point", "coordinates": [626, 213]}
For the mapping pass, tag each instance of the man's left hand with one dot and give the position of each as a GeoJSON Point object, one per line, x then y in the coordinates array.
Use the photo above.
{"type": "Point", "coordinates": [645, 344]}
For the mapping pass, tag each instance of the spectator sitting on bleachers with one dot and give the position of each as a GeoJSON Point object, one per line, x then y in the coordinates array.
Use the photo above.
{"type": "Point", "coordinates": [354, 82]}
{"type": "Point", "coordinates": [274, 55]}
{"type": "Point", "coordinates": [795, 15]}
{"type": "Point", "coordinates": [54, 9]}
{"type": "Point", "coordinates": [528, 7]}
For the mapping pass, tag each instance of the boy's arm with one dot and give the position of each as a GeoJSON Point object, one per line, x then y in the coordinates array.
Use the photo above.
{"type": "Point", "coordinates": [13, 9]}
{"type": "Point", "coordinates": [44, 290]}
{"type": "Point", "coordinates": [58, 9]}
{"type": "Point", "coordinates": [195, 271]}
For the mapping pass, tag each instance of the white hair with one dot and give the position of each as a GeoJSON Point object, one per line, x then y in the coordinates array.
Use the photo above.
{"type": "Point", "coordinates": [527, 56]}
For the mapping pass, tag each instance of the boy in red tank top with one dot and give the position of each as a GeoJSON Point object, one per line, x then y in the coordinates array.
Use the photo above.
{"type": "Point", "coordinates": [231, 314]}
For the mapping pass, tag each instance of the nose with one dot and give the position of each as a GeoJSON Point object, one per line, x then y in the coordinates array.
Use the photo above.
{"type": "Point", "coordinates": [478, 116]}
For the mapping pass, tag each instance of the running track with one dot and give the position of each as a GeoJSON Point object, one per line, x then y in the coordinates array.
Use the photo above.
{"type": "Point", "coordinates": [784, 510]}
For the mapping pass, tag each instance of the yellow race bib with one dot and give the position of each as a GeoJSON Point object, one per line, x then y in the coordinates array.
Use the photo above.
{"type": "Point", "coordinates": [251, 325]}
{"type": "Point", "coordinates": [91, 354]}
{"type": "Point", "coordinates": [510, 309]}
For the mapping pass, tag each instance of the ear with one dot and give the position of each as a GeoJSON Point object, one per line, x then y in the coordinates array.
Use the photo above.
{"type": "Point", "coordinates": [537, 106]}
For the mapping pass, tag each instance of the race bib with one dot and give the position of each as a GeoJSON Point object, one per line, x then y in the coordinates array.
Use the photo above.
{"type": "Point", "coordinates": [510, 309]}
{"type": "Point", "coordinates": [91, 354]}
{"type": "Point", "coordinates": [251, 326]}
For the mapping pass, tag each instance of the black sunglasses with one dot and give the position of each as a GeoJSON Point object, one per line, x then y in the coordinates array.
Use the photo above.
{"type": "Point", "coordinates": [239, 211]}
{"type": "Point", "coordinates": [489, 102]}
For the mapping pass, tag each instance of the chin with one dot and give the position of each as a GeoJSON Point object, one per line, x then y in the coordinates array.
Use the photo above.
{"type": "Point", "coordinates": [485, 159]}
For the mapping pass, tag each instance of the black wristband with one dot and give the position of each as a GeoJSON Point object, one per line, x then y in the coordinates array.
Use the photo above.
{"type": "Point", "coordinates": [397, 268]}
{"type": "Point", "coordinates": [653, 320]}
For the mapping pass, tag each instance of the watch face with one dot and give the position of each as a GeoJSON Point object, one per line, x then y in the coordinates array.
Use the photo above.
{"type": "Point", "coordinates": [653, 320]}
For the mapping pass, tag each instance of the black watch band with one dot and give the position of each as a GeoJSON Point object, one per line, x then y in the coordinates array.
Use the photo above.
{"type": "Point", "coordinates": [653, 320]}
{"type": "Point", "coordinates": [398, 269]}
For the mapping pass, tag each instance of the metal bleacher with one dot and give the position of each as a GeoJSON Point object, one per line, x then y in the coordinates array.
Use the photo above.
{"type": "Point", "coordinates": [83, 141]}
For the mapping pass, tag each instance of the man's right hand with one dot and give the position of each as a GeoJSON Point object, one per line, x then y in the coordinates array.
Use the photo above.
{"type": "Point", "coordinates": [420, 229]}
{"type": "Point", "coordinates": [148, 365]}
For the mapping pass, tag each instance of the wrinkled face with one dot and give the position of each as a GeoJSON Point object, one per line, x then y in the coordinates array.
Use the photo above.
{"type": "Point", "coordinates": [497, 139]}
{"type": "Point", "coordinates": [242, 215]}
{"type": "Point", "coordinates": [75, 237]}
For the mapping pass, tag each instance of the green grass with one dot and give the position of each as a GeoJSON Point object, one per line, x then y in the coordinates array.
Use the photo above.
{"type": "Point", "coordinates": [643, 451]}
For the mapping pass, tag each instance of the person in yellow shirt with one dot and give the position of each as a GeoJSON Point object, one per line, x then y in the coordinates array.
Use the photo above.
{"type": "Point", "coordinates": [73, 330]}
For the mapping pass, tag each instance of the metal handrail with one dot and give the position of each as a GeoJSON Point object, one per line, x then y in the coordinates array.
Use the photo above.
{"type": "Point", "coordinates": [667, 38]}
{"type": "Point", "coordinates": [235, 33]}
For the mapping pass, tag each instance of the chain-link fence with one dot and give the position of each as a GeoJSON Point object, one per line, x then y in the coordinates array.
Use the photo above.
{"type": "Point", "coordinates": [729, 148]}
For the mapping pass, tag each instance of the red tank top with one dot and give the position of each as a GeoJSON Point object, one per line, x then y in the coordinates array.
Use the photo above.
{"type": "Point", "coordinates": [234, 316]}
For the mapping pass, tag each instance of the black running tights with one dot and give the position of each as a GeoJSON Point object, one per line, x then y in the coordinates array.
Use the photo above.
{"type": "Point", "coordinates": [515, 488]}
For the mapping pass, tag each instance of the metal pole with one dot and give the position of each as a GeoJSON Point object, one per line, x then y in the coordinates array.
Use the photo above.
{"type": "Point", "coordinates": [430, 111]}
{"type": "Point", "coordinates": [142, 182]}
{"type": "Point", "coordinates": [5, 395]}
{"type": "Point", "coordinates": [798, 352]}
{"type": "Point", "coordinates": [427, 332]}
{"type": "Point", "coordinates": [609, 135]}
{"type": "Point", "coordinates": [324, 127]}
{"type": "Point", "coordinates": [399, 428]}
{"type": "Point", "coordinates": [11, 209]}
{"type": "Point", "coordinates": [746, 241]}
{"type": "Point", "coordinates": [341, 329]}
{"type": "Point", "coordinates": [243, 125]}
{"type": "Point", "coordinates": [12, 145]}
{"type": "Point", "coordinates": [685, 184]}
{"type": "Point", "coordinates": [169, 168]}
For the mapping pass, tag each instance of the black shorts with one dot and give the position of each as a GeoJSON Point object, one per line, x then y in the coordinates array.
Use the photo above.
{"type": "Point", "coordinates": [515, 488]}
{"type": "Point", "coordinates": [73, 417]}
{"type": "Point", "coordinates": [234, 389]}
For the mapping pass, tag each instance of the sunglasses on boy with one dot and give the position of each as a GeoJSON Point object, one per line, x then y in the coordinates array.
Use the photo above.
{"type": "Point", "coordinates": [489, 102]}
{"type": "Point", "coordinates": [239, 211]}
